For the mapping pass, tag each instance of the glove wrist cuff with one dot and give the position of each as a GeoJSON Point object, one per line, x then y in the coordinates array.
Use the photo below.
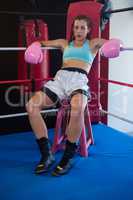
{"type": "Point", "coordinates": [42, 44]}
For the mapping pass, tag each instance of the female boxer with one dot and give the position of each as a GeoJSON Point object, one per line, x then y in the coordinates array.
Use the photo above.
{"type": "Point", "coordinates": [70, 81]}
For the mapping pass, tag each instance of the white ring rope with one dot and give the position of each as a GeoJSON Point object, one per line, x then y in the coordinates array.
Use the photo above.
{"type": "Point", "coordinates": [25, 113]}
{"type": "Point", "coordinates": [55, 110]}
{"type": "Point", "coordinates": [23, 48]}
{"type": "Point", "coordinates": [126, 48]}
{"type": "Point", "coordinates": [116, 116]}
{"type": "Point", "coordinates": [50, 48]}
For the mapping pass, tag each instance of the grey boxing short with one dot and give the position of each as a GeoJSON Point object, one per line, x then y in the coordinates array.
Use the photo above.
{"type": "Point", "coordinates": [66, 83]}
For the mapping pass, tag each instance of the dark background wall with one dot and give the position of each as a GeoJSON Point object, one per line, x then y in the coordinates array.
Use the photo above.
{"type": "Point", "coordinates": [9, 60]}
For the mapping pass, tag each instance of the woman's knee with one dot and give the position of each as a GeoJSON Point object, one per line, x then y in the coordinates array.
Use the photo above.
{"type": "Point", "coordinates": [31, 108]}
{"type": "Point", "coordinates": [78, 104]}
{"type": "Point", "coordinates": [77, 110]}
{"type": "Point", "coordinates": [34, 105]}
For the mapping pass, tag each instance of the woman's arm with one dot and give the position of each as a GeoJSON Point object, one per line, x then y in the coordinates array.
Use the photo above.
{"type": "Point", "coordinates": [97, 43]}
{"type": "Point", "coordinates": [108, 48]}
{"type": "Point", "coordinates": [34, 53]}
{"type": "Point", "coordinates": [60, 43]}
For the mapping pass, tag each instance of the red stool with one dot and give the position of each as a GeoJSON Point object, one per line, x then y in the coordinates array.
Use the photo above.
{"type": "Point", "coordinates": [62, 120]}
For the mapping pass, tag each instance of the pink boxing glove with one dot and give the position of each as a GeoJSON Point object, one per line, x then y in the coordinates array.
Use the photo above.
{"type": "Point", "coordinates": [33, 53]}
{"type": "Point", "coordinates": [111, 48]}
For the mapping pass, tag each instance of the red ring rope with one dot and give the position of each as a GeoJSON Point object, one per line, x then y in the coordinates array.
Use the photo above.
{"type": "Point", "coordinates": [22, 81]}
{"type": "Point", "coordinates": [116, 82]}
{"type": "Point", "coordinates": [50, 78]}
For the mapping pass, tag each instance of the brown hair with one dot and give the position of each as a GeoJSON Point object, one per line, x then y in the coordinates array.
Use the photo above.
{"type": "Point", "coordinates": [89, 25]}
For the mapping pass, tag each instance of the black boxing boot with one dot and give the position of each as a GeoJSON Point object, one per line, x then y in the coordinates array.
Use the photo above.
{"type": "Point", "coordinates": [66, 162]}
{"type": "Point", "coordinates": [47, 158]}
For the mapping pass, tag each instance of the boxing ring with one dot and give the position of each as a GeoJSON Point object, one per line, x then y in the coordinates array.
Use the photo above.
{"type": "Point", "coordinates": [107, 173]}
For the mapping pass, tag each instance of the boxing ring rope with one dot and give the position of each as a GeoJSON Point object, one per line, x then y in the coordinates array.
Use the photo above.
{"type": "Point", "coordinates": [23, 48]}
{"type": "Point", "coordinates": [50, 48]}
{"type": "Point", "coordinates": [15, 81]}
{"type": "Point", "coordinates": [25, 113]}
{"type": "Point", "coordinates": [30, 14]}
{"type": "Point", "coordinates": [23, 81]}
{"type": "Point", "coordinates": [116, 82]}
{"type": "Point", "coordinates": [120, 10]}
{"type": "Point", "coordinates": [57, 14]}
{"type": "Point", "coordinates": [116, 116]}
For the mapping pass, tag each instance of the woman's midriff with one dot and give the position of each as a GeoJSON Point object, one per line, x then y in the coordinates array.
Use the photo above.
{"type": "Point", "coordinates": [78, 64]}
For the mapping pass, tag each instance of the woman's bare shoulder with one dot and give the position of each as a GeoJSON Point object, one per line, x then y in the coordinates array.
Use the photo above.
{"type": "Point", "coordinates": [63, 42]}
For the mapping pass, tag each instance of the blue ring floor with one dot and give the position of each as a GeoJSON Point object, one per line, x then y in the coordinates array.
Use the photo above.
{"type": "Point", "coordinates": [106, 174]}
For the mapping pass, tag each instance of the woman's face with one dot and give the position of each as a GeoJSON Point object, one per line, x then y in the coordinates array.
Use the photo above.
{"type": "Point", "coordinates": [80, 30]}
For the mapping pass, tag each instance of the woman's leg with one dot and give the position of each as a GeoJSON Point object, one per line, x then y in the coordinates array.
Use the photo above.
{"type": "Point", "coordinates": [34, 106]}
{"type": "Point", "coordinates": [78, 104]}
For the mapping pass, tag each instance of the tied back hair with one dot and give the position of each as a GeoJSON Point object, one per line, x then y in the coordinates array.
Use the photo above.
{"type": "Point", "coordinates": [89, 25]}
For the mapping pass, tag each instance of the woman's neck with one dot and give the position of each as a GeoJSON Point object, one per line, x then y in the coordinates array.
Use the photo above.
{"type": "Point", "coordinates": [78, 43]}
